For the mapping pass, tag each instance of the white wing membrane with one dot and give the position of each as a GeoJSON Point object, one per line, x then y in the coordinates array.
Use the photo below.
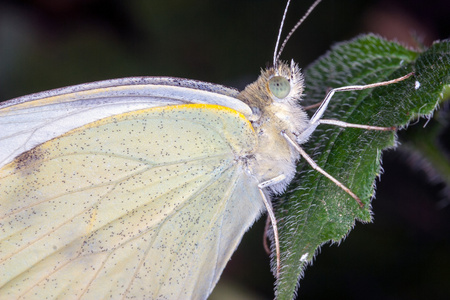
{"type": "Point", "coordinates": [31, 120]}
{"type": "Point", "coordinates": [149, 204]}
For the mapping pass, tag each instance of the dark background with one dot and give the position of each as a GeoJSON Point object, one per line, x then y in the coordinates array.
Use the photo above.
{"type": "Point", "coordinates": [404, 254]}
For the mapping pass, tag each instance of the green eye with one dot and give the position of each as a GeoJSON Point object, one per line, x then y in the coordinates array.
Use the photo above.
{"type": "Point", "coordinates": [279, 86]}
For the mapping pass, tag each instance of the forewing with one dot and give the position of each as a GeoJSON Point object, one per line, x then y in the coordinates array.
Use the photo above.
{"type": "Point", "coordinates": [149, 204]}
{"type": "Point", "coordinates": [28, 121]}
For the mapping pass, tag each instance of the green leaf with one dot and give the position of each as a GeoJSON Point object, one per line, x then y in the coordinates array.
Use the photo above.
{"type": "Point", "coordinates": [315, 211]}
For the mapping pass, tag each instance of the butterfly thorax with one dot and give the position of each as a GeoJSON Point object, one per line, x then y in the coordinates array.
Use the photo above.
{"type": "Point", "coordinates": [271, 116]}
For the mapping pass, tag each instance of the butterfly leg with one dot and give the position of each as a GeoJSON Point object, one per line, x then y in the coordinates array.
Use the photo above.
{"type": "Point", "coordinates": [320, 170]}
{"type": "Point", "coordinates": [316, 118]}
{"type": "Point", "coordinates": [319, 113]}
{"type": "Point", "coordinates": [351, 125]}
{"type": "Point", "coordinates": [271, 214]}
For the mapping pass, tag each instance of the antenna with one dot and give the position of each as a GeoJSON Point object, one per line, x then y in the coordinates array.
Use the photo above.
{"type": "Point", "coordinates": [277, 53]}
{"type": "Point", "coordinates": [275, 56]}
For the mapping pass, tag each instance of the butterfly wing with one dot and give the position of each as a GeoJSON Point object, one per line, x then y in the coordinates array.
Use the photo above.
{"type": "Point", "coordinates": [148, 204]}
{"type": "Point", "coordinates": [28, 121]}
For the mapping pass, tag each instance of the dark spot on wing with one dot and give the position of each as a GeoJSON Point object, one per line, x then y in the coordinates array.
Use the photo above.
{"type": "Point", "coordinates": [30, 160]}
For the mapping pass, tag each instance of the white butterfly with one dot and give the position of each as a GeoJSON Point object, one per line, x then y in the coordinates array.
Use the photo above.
{"type": "Point", "coordinates": [143, 187]}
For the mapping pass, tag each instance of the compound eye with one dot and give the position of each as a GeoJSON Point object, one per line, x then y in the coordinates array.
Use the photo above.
{"type": "Point", "coordinates": [279, 86]}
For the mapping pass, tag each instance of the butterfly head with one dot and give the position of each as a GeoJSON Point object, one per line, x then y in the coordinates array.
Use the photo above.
{"type": "Point", "coordinates": [275, 102]}
{"type": "Point", "coordinates": [275, 98]}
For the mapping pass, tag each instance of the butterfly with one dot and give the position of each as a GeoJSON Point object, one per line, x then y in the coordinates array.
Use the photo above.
{"type": "Point", "coordinates": [143, 187]}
